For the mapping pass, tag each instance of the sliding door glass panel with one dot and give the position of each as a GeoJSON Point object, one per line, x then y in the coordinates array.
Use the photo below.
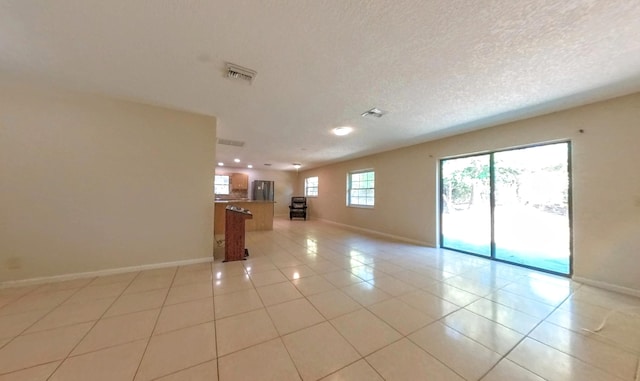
{"type": "Point", "coordinates": [466, 205]}
{"type": "Point", "coordinates": [531, 214]}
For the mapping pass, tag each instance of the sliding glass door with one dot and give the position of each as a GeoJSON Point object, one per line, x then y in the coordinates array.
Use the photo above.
{"type": "Point", "coordinates": [532, 207]}
{"type": "Point", "coordinates": [466, 204]}
{"type": "Point", "coordinates": [510, 205]}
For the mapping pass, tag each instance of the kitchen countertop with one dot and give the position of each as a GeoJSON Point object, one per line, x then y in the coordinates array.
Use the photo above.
{"type": "Point", "coordinates": [262, 212]}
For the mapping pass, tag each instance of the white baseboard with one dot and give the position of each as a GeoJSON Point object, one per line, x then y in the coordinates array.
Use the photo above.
{"type": "Point", "coordinates": [587, 281]}
{"type": "Point", "coordinates": [608, 286]}
{"type": "Point", "coordinates": [392, 236]}
{"type": "Point", "coordinates": [91, 274]}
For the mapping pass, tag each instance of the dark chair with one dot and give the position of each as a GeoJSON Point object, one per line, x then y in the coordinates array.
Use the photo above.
{"type": "Point", "coordinates": [298, 208]}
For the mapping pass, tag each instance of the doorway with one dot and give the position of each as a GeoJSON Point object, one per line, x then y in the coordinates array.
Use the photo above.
{"type": "Point", "coordinates": [511, 205]}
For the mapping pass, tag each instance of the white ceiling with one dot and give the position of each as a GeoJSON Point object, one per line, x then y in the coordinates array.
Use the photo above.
{"type": "Point", "coordinates": [438, 67]}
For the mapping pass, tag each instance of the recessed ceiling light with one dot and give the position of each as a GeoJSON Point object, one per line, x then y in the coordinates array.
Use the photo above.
{"type": "Point", "coordinates": [236, 160]}
{"type": "Point", "coordinates": [220, 163]}
{"type": "Point", "coordinates": [341, 131]}
{"type": "Point", "coordinates": [249, 166]}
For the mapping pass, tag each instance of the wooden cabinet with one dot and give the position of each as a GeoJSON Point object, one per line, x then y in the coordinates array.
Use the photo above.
{"type": "Point", "coordinates": [239, 181]}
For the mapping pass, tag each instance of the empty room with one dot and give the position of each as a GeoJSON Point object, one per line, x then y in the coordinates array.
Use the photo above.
{"type": "Point", "coordinates": [319, 190]}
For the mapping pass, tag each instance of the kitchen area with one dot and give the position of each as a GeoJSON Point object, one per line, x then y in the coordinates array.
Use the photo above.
{"type": "Point", "coordinates": [236, 189]}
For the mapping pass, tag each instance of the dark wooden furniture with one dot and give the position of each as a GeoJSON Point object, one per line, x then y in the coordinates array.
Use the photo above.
{"type": "Point", "coordinates": [298, 208]}
{"type": "Point", "coordinates": [235, 217]}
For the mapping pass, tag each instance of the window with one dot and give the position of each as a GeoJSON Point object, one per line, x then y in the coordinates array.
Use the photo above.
{"type": "Point", "coordinates": [221, 184]}
{"type": "Point", "coordinates": [311, 186]}
{"type": "Point", "coordinates": [361, 190]}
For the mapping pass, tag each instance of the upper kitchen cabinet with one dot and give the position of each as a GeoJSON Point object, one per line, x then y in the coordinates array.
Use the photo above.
{"type": "Point", "coordinates": [239, 181]}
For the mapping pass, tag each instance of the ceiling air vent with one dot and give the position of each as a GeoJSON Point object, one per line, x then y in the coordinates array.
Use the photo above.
{"type": "Point", "coordinates": [374, 112]}
{"type": "Point", "coordinates": [229, 142]}
{"type": "Point", "coordinates": [239, 72]}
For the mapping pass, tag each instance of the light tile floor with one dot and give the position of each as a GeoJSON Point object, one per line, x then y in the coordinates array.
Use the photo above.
{"type": "Point", "coordinates": [315, 301]}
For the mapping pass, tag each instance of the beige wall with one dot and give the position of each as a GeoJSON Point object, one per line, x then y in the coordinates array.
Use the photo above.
{"type": "Point", "coordinates": [606, 185]}
{"type": "Point", "coordinates": [90, 183]}
{"type": "Point", "coordinates": [284, 182]}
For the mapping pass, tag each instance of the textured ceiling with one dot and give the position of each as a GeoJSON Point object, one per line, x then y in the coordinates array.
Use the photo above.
{"type": "Point", "coordinates": [438, 67]}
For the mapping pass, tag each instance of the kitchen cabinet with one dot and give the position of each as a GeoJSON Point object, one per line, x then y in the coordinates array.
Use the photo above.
{"type": "Point", "coordinates": [239, 181]}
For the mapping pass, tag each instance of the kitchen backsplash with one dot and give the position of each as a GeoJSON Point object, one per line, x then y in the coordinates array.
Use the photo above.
{"type": "Point", "coordinates": [234, 195]}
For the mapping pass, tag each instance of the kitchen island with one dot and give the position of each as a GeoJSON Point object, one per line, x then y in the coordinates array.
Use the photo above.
{"type": "Point", "coordinates": [262, 212]}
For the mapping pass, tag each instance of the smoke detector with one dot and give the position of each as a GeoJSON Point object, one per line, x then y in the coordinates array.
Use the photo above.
{"type": "Point", "coordinates": [239, 72]}
{"type": "Point", "coordinates": [374, 112]}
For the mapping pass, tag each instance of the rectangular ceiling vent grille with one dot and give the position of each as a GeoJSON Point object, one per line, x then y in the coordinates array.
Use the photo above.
{"type": "Point", "coordinates": [229, 142]}
{"type": "Point", "coordinates": [239, 72]}
{"type": "Point", "coordinates": [374, 112]}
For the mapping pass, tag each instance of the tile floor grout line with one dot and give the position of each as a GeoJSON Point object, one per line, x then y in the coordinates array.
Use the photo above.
{"type": "Point", "coordinates": [596, 335]}
{"type": "Point", "coordinates": [401, 301]}
{"type": "Point", "coordinates": [461, 333]}
{"type": "Point", "coordinates": [288, 253]}
{"type": "Point", "coordinates": [180, 370]}
{"type": "Point", "coordinates": [215, 324]}
{"type": "Point", "coordinates": [89, 330]}
{"type": "Point", "coordinates": [441, 321]}
{"type": "Point", "coordinates": [288, 354]}
{"type": "Point", "coordinates": [402, 336]}
{"type": "Point", "coordinates": [613, 343]}
{"type": "Point", "coordinates": [22, 333]}
{"type": "Point", "coordinates": [155, 325]}
{"type": "Point", "coordinates": [524, 337]}
{"type": "Point", "coordinates": [30, 367]}
{"type": "Point", "coordinates": [435, 358]}
{"type": "Point", "coordinates": [281, 338]}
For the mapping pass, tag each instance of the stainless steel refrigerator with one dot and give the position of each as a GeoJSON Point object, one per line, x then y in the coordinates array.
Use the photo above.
{"type": "Point", "coordinates": [262, 190]}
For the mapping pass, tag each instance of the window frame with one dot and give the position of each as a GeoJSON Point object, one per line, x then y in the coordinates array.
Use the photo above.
{"type": "Point", "coordinates": [350, 189]}
{"type": "Point", "coordinates": [307, 187]}
{"type": "Point", "coordinates": [492, 184]}
{"type": "Point", "coordinates": [216, 184]}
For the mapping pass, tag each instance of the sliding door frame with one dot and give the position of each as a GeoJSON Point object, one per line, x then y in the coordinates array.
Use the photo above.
{"type": "Point", "coordinates": [492, 202]}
